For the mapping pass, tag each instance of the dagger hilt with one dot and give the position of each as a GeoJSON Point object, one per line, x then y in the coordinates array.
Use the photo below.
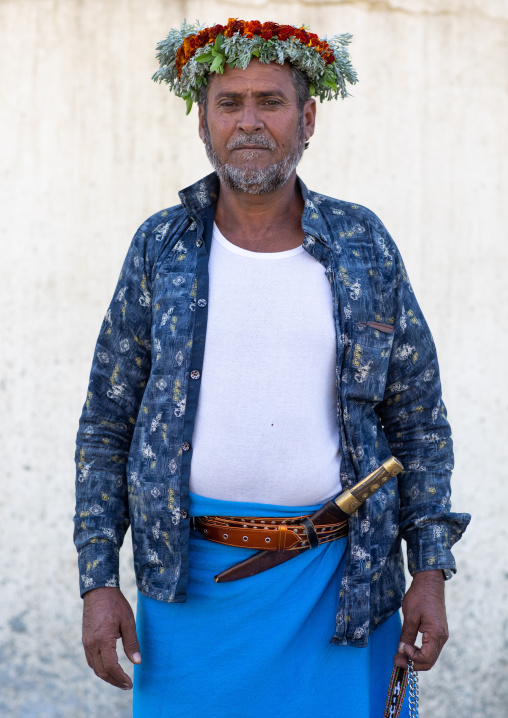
{"type": "Point", "coordinates": [350, 499]}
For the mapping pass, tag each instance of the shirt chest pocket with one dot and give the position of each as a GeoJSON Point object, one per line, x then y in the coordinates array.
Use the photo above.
{"type": "Point", "coordinates": [367, 362]}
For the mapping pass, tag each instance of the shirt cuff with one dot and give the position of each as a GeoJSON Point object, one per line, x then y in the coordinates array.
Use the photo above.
{"type": "Point", "coordinates": [98, 565]}
{"type": "Point", "coordinates": [429, 546]}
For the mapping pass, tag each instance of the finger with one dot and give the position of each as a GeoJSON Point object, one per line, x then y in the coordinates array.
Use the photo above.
{"type": "Point", "coordinates": [408, 636]}
{"type": "Point", "coordinates": [410, 627]}
{"type": "Point", "coordinates": [98, 667]}
{"type": "Point", "coordinates": [400, 658]}
{"type": "Point", "coordinates": [130, 640]}
{"type": "Point", "coordinates": [422, 662]}
{"type": "Point", "coordinates": [426, 656]}
{"type": "Point", "coordinates": [89, 659]}
{"type": "Point", "coordinates": [112, 672]}
{"type": "Point", "coordinates": [104, 675]}
{"type": "Point", "coordinates": [96, 663]}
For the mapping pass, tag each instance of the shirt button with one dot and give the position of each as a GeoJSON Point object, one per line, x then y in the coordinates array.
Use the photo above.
{"type": "Point", "coordinates": [199, 242]}
{"type": "Point", "coordinates": [201, 302]}
{"type": "Point", "coordinates": [186, 446]}
{"type": "Point", "coordinates": [183, 514]}
{"type": "Point", "coordinates": [195, 374]}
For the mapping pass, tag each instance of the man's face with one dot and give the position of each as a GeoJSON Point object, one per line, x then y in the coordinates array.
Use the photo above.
{"type": "Point", "coordinates": [253, 131]}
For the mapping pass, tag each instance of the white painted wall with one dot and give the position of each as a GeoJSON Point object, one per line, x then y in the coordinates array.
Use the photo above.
{"type": "Point", "coordinates": [91, 147]}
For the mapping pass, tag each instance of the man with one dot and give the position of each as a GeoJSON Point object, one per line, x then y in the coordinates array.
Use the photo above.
{"type": "Point", "coordinates": [318, 365]}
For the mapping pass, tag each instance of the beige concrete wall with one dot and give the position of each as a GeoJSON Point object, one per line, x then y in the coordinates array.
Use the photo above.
{"type": "Point", "coordinates": [91, 147]}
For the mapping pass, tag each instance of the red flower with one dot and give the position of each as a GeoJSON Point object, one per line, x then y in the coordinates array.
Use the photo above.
{"type": "Point", "coordinates": [202, 38]}
{"type": "Point", "coordinates": [285, 31]}
{"type": "Point", "coordinates": [216, 30]}
{"type": "Point", "coordinates": [249, 29]}
{"type": "Point", "coordinates": [269, 29]}
{"type": "Point", "coordinates": [302, 36]}
{"type": "Point", "coordinates": [233, 26]}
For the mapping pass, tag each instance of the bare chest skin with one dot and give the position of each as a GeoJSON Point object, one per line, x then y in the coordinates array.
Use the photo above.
{"type": "Point", "coordinates": [262, 224]}
{"type": "Point", "coordinates": [264, 239]}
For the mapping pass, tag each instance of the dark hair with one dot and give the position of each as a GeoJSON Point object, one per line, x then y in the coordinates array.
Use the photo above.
{"type": "Point", "coordinates": [301, 83]}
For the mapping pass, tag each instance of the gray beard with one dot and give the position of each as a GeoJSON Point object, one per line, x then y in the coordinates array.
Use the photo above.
{"type": "Point", "coordinates": [250, 179]}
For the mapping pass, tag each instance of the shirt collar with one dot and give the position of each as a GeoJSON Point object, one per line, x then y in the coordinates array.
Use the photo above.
{"type": "Point", "coordinates": [199, 197]}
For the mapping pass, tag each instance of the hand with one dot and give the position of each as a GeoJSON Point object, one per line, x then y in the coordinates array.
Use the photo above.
{"type": "Point", "coordinates": [108, 616]}
{"type": "Point", "coordinates": [424, 611]}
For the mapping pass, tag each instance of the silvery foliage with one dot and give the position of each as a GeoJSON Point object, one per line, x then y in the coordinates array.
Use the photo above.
{"type": "Point", "coordinates": [239, 52]}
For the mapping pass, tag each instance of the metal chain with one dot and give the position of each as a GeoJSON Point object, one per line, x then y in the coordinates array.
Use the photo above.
{"type": "Point", "coordinates": [413, 690]}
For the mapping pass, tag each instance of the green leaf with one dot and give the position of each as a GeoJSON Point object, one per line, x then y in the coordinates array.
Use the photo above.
{"type": "Point", "coordinates": [329, 80]}
{"type": "Point", "coordinates": [219, 42]}
{"type": "Point", "coordinates": [188, 102]}
{"type": "Point", "coordinates": [216, 65]}
{"type": "Point", "coordinates": [255, 53]}
{"type": "Point", "coordinates": [205, 57]}
{"type": "Point", "coordinates": [312, 90]}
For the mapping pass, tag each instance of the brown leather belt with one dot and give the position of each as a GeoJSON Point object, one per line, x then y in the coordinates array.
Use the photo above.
{"type": "Point", "coordinates": [268, 533]}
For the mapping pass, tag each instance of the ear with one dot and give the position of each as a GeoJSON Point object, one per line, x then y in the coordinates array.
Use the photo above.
{"type": "Point", "coordinates": [309, 117]}
{"type": "Point", "coordinates": [201, 126]}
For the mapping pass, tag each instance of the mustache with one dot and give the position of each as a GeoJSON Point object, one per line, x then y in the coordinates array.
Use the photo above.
{"type": "Point", "coordinates": [246, 139]}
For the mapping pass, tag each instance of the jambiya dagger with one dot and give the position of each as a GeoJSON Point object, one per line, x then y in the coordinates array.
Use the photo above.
{"type": "Point", "coordinates": [336, 511]}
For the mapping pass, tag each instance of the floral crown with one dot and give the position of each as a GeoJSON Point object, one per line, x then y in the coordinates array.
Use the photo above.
{"type": "Point", "coordinates": [189, 54]}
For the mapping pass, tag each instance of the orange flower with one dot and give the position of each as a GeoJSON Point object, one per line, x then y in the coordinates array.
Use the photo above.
{"type": "Point", "coordinates": [252, 28]}
{"type": "Point", "coordinates": [184, 54]}
{"type": "Point", "coordinates": [326, 52]}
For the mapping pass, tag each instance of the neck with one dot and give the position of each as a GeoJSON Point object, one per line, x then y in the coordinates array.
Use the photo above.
{"type": "Point", "coordinates": [268, 222]}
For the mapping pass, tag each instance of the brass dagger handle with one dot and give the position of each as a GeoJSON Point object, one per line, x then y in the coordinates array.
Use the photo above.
{"type": "Point", "coordinates": [350, 499]}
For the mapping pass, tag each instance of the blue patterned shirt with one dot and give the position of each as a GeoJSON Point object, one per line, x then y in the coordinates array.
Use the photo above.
{"type": "Point", "coordinates": [134, 443]}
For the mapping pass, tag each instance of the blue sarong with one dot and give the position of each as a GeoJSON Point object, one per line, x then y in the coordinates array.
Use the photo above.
{"type": "Point", "coordinates": [259, 645]}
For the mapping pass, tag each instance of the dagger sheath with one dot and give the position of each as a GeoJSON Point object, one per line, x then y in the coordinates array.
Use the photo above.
{"type": "Point", "coordinates": [331, 512]}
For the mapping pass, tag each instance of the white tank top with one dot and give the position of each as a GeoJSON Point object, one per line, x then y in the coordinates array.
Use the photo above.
{"type": "Point", "coordinates": [266, 428]}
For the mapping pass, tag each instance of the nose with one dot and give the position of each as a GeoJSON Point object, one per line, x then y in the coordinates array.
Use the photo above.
{"type": "Point", "coordinates": [249, 120]}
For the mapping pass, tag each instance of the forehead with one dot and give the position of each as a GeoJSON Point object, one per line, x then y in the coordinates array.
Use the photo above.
{"type": "Point", "coordinates": [258, 77]}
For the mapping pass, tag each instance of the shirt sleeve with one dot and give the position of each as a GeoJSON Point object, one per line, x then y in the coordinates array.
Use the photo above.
{"type": "Point", "coordinates": [120, 369]}
{"type": "Point", "coordinates": [416, 425]}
